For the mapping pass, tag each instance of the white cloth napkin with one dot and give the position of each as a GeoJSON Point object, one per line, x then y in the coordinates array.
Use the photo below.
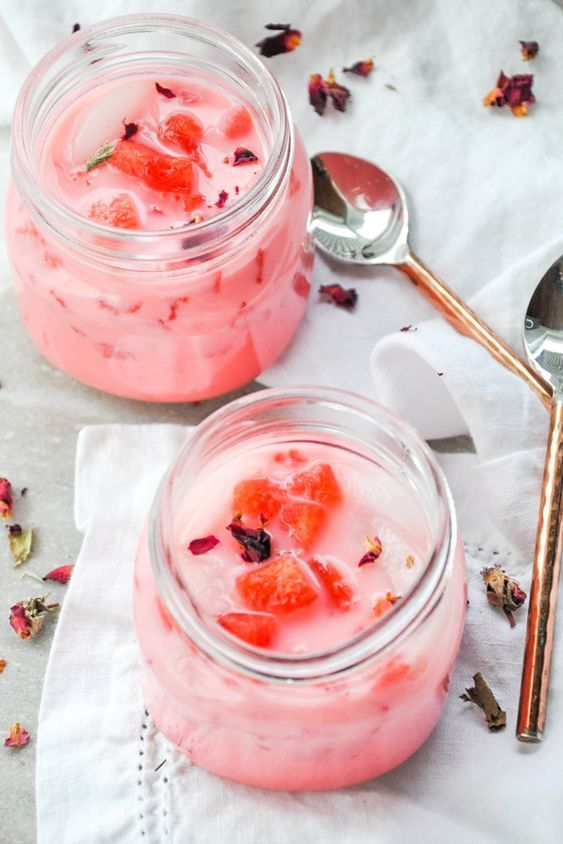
{"type": "Point", "coordinates": [487, 196]}
{"type": "Point", "coordinates": [98, 749]}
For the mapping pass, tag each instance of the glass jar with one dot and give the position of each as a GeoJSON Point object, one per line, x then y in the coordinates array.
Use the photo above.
{"type": "Point", "coordinates": [171, 315]}
{"type": "Point", "coordinates": [318, 720]}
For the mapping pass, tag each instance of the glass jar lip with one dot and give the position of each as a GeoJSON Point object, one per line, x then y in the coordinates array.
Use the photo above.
{"type": "Point", "coordinates": [242, 212]}
{"type": "Point", "coordinates": [366, 646]}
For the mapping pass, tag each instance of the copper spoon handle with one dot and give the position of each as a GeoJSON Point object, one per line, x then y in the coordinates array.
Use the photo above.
{"type": "Point", "coordinates": [543, 593]}
{"type": "Point", "coordinates": [468, 323]}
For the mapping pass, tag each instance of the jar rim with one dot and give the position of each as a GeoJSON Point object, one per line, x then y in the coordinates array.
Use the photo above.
{"type": "Point", "coordinates": [204, 234]}
{"type": "Point", "coordinates": [371, 643]}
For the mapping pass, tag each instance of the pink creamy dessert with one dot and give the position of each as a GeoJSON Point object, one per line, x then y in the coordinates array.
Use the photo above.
{"type": "Point", "coordinates": [297, 554]}
{"type": "Point", "coordinates": [157, 221]}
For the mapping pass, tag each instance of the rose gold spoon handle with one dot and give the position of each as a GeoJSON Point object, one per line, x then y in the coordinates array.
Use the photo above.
{"type": "Point", "coordinates": [466, 322]}
{"type": "Point", "coordinates": [543, 341]}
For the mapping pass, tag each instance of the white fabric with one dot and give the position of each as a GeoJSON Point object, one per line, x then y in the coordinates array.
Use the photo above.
{"type": "Point", "coordinates": [487, 203]}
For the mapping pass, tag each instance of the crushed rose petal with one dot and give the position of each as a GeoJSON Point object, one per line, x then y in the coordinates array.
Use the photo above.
{"type": "Point", "coordinates": [75, 28]}
{"type": "Point", "coordinates": [203, 545]}
{"type": "Point", "coordinates": [503, 591]}
{"type": "Point", "coordinates": [244, 156]}
{"type": "Point", "coordinates": [166, 92]}
{"type": "Point", "coordinates": [514, 92]}
{"type": "Point", "coordinates": [408, 328]}
{"type": "Point", "coordinates": [18, 737]}
{"type": "Point", "coordinates": [529, 50]}
{"type": "Point", "coordinates": [361, 68]}
{"type": "Point", "coordinates": [6, 499]}
{"type": "Point", "coordinates": [285, 41]}
{"type": "Point", "coordinates": [256, 544]}
{"type": "Point", "coordinates": [19, 540]}
{"type": "Point", "coordinates": [26, 617]}
{"type": "Point", "coordinates": [62, 574]}
{"type": "Point", "coordinates": [374, 549]}
{"type": "Point", "coordinates": [336, 294]}
{"type": "Point", "coordinates": [317, 93]}
{"type": "Point", "coordinates": [223, 196]}
{"type": "Point", "coordinates": [130, 129]}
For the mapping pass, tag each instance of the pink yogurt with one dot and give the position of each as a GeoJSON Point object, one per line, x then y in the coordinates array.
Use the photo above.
{"type": "Point", "coordinates": [325, 728]}
{"type": "Point", "coordinates": [190, 292]}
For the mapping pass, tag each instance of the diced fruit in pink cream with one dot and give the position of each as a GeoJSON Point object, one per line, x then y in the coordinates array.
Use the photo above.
{"type": "Point", "coordinates": [278, 587]}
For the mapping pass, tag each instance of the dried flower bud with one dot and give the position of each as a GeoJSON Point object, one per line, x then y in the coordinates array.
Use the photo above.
{"type": "Point", "coordinates": [18, 737]}
{"type": "Point", "coordinates": [374, 549]}
{"type": "Point", "coordinates": [26, 617]}
{"type": "Point", "coordinates": [529, 50]}
{"type": "Point", "coordinates": [317, 93]}
{"type": "Point", "coordinates": [361, 68]}
{"type": "Point", "coordinates": [339, 296]}
{"type": "Point", "coordinates": [514, 92]}
{"type": "Point", "coordinates": [503, 591]}
{"type": "Point", "coordinates": [6, 499]}
{"type": "Point", "coordinates": [256, 544]}
{"type": "Point", "coordinates": [285, 41]}
{"type": "Point", "coordinates": [483, 697]}
{"type": "Point", "coordinates": [338, 93]}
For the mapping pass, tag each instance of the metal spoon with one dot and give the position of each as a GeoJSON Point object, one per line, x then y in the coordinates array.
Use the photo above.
{"type": "Point", "coordinates": [543, 341]}
{"type": "Point", "coordinates": [360, 216]}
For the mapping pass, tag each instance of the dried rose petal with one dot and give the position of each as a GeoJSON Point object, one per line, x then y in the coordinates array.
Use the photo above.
{"type": "Point", "coordinates": [361, 68]}
{"type": "Point", "coordinates": [223, 196]}
{"type": "Point", "coordinates": [6, 498]}
{"type": "Point", "coordinates": [285, 41]}
{"type": "Point", "coordinates": [512, 91]}
{"type": "Point", "coordinates": [338, 93]}
{"type": "Point", "coordinates": [26, 617]}
{"type": "Point", "coordinates": [317, 93]}
{"type": "Point", "coordinates": [130, 129]}
{"type": "Point", "coordinates": [503, 591]}
{"type": "Point", "coordinates": [336, 294]}
{"type": "Point", "coordinates": [256, 544]}
{"type": "Point", "coordinates": [3, 664]}
{"type": "Point", "coordinates": [201, 546]}
{"type": "Point", "coordinates": [62, 574]}
{"type": "Point", "coordinates": [19, 540]}
{"type": "Point", "coordinates": [529, 50]}
{"type": "Point", "coordinates": [166, 92]}
{"type": "Point", "coordinates": [408, 328]}
{"type": "Point", "coordinates": [374, 549]}
{"type": "Point", "coordinates": [18, 736]}
{"type": "Point", "coordinates": [75, 28]}
{"type": "Point", "coordinates": [244, 156]}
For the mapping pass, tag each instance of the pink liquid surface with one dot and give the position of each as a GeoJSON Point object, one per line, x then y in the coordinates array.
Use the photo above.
{"type": "Point", "coordinates": [167, 332]}
{"type": "Point", "coordinates": [332, 731]}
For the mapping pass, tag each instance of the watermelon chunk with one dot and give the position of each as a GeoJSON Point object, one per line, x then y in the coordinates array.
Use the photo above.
{"type": "Point", "coordinates": [278, 587]}
{"type": "Point", "coordinates": [182, 130]}
{"type": "Point", "coordinates": [121, 212]}
{"type": "Point", "coordinates": [317, 482]}
{"type": "Point", "coordinates": [338, 588]}
{"type": "Point", "coordinates": [304, 520]}
{"type": "Point", "coordinates": [236, 122]}
{"type": "Point", "coordinates": [166, 173]}
{"type": "Point", "coordinates": [257, 630]}
{"type": "Point", "coordinates": [257, 497]}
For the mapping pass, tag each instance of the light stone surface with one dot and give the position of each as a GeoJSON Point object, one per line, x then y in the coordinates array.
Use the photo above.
{"type": "Point", "coordinates": [41, 413]}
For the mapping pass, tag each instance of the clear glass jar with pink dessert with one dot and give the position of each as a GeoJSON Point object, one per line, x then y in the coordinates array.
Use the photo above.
{"type": "Point", "coordinates": [157, 219]}
{"type": "Point", "coordinates": [280, 646]}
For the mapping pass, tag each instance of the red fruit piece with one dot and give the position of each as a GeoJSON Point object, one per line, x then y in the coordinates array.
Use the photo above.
{"type": "Point", "coordinates": [120, 212]}
{"type": "Point", "coordinates": [279, 587]}
{"type": "Point", "coordinates": [257, 497]}
{"type": "Point", "coordinates": [338, 588]}
{"type": "Point", "coordinates": [236, 122]}
{"type": "Point", "coordinates": [257, 630]}
{"type": "Point", "coordinates": [165, 173]}
{"type": "Point", "coordinates": [304, 520]}
{"type": "Point", "coordinates": [182, 130]}
{"type": "Point", "coordinates": [318, 482]}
